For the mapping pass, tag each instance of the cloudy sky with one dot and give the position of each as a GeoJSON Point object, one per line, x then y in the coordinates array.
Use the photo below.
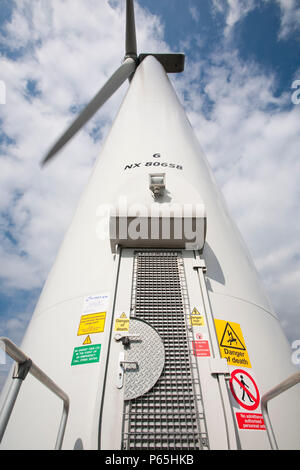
{"type": "Point", "coordinates": [242, 59]}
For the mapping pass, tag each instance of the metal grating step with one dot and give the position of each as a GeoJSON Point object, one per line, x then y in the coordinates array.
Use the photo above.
{"type": "Point", "coordinates": [167, 417]}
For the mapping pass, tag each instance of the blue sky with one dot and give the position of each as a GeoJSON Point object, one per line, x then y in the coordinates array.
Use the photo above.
{"type": "Point", "coordinates": [242, 57]}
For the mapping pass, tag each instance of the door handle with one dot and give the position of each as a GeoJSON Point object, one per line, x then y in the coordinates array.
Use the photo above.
{"type": "Point", "coordinates": [120, 369]}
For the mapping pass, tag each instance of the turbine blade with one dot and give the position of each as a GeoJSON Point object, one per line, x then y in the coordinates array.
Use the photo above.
{"type": "Point", "coordinates": [112, 84]}
{"type": "Point", "coordinates": [131, 47]}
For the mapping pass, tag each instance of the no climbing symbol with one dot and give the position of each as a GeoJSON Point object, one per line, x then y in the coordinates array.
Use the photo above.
{"type": "Point", "coordinates": [244, 389]}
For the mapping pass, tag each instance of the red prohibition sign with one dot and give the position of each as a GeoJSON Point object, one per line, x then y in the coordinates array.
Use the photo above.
{"type": "Point", "coordinates": [244, 388]}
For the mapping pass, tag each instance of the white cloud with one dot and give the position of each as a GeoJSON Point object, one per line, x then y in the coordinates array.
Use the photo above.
{"type": "Point", "coordinates": [234, 10]}
{"type": "Point", "coordinates": [194, 11]}
{"type": "Point", "coordinates": [290, 17]}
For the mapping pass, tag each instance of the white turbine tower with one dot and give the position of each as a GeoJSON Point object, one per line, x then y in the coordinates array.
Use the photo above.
{"type": "Point", "coordinates": [153, 325]}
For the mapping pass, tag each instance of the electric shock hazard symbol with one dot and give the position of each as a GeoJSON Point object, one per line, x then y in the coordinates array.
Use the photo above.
{"type": "Point", "coordinates": [232, 344]}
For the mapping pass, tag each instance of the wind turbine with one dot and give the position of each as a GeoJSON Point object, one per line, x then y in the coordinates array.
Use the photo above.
{"type": "Point", "coordinates": [172, 63]}
{"type": "Point", "coordinates": [153, 325]}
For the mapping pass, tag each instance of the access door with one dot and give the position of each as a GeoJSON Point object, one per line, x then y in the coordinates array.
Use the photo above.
{"type": "Point", "coordinates": [153, 396]}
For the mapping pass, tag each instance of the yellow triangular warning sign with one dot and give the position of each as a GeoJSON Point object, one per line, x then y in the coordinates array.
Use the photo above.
{"type": "Point", "coordinates": [196, 319]}
{"type": "Point", "coordinates": [87, 340]}
{"type": "Point", "coordinates": [123, 315]}
{"type": "Point", "coordinates": [232, 344]}
{"type": "Point", "coordinates": [195, 312]}
{"type": "Point", "coordinates": [230, 339]}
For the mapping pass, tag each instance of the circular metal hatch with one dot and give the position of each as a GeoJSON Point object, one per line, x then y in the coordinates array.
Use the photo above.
{"type": "Point", "coordinates": [148, 352]}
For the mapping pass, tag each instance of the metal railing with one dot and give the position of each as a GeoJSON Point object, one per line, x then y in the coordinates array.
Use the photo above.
{"type": "Point", "coordinates": [280, 388]}
{"type": "Point", "coordinates": [24, 365]}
